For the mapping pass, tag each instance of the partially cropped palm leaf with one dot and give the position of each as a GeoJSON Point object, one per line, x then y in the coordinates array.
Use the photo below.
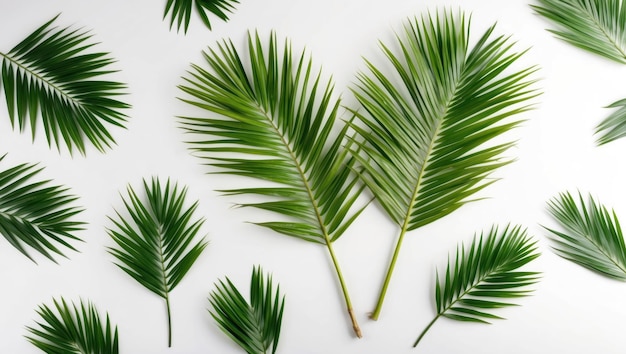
{"type": "Point", "coordinates": [180, 11]}
{"type": "Point", "coordinates": [35, 214]}
{"type": "Point", "coordinates": [255, 326]}
{"type": "Point", "coordinates": [485, 277]}
{"type": "Point", "coordinates": [66, 329]}
{"type": "Point", "coordinates": [155, 245]}
{"type": "Point", "coordinates": [592, 236]}
{"type": "Point", "coordinates": [427, 126]}
{"type": "Point", "coordinates": [52, 79]}
{"type": "Point", "coordinates": [273, 118]}
{"type": "Point", "coordinates": [598, 26]}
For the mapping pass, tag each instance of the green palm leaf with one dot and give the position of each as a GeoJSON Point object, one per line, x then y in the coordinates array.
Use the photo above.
{"type": "Point", "coordinates": [254, 326]}
{"type": "Point", "coordinates": [51, 78]}
{"type": "Point", "coordinates": [485, 277]}
{"type": "Point", "coordinates": [598, 26]}
{"type": "Point", "coordinates": [73, 330]}
{"type": "Point", "coordinates": [274, 119]}
{"type": "Point", "coordinates": [35, 214]}
{"type": "Point", "coordinates": [180, 11]}
{"type": "Point", "coordinates": [591, 236]}
{"type": "Point", "coordinates": [427, 127]}
{"type": "Point", "coordinates": [154, 245]}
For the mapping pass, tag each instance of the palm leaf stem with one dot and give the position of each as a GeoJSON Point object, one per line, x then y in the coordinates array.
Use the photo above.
{"type": "Point", "coordinates": [167, 293]}
{"type": "Point", "coordinates": [426, 330]}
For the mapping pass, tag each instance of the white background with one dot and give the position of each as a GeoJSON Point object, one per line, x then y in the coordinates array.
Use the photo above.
{"type": "Point", "coordinates": [572, 311]}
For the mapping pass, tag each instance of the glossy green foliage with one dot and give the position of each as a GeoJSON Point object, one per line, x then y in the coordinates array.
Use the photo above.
{"type": "Point", "coordinates": [485, 277]}
{"type": "Point", "coordinates": [53, 79]}
{"type": "Point", "coordinates": [73, 329]}
{"type": "Point", "coordinates": [155, 243]}
{"type": "Point", "coordinates": [180, 11]}
{"type": "Point", "coordinates": [36, 214]}
{"type": "Point", "coordinates": [254, 326]}
{"type": "Point", "coordinates": [590, 235]}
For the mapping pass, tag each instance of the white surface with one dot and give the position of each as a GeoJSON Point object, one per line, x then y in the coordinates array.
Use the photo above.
{"type": "Point", "coordinates": [572, 311]}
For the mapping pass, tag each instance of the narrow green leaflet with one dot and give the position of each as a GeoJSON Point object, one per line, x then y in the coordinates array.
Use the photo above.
{"type": "Point", "coordinates": [36, 214]}
{"type": "Point", "coordinates": [155, 244]}
{"type": "Point", "coordinates": [52, 80]}
{"type": "Point", "coordinates": [73, 329]}
{"type": "Point", "coordinates": [254, 326]}
{"type": "Point", "coordinates": [427, 128]}
{"type": "Point", "coordinates": [180, 11]}
{"type": "Point", "coordinates": [598, 26]}
{"type": "Point", "coordinates": [485, 277]}
{"type": "Point", "coordinates": [590, 235]}
{"type": "Point", "coordinates": [272, 117]}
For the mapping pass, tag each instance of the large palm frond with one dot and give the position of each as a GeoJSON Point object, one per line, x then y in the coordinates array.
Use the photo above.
{"type": "Point", "coordinates": [485, 277]}
{"type": "Point", "coordinates": [598, 26]}
{"type": "Point", "coordinates": [591, 236]}
{"type": "Point", "coordinates": [255, 326]}
{"type": "Point", "coordinates": [427, 127]}
{"type": "Point", "coordinates": [155, 245]}
{"type": "Point", "coordinates": [51, 78]}
{"type": "Point", "coordinates": [273, 118]}
{"type": "Point", "coordinates": [180, 11]}
{"type": "Point", "coordinates": [75, 329]}
{"type": "Point", "coordinates": [35, 214]}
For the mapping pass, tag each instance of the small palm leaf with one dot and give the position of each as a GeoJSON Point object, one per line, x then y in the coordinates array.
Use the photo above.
{"type": "Point", "coordinates": [255, 326]}
{"type": "Point", "coordinates": [155, 246]}
{"type": "Point", "coordinates": [51, 76]}
{"type": "Point", "coordinates": [485, 277]}
{"type": "Point", "coordinates": [277, 119]}
{"type": "Point", "coordinates": [427, 127]}
{"type": "Point", "coordinates": [598, 26]}
{"type": "Point", "coordinates": [592, 235]}
{"type": "Point", "coordinates": [73, 330]}
{"type": "Point", "coordinates": [181, 10]}
{"type": "Point", "coordinates": [36, 214]}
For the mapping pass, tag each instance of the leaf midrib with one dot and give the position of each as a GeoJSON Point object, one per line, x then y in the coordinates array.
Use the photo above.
{"type": "Point", "coordinates": [602, 251]}
{"type": "Point", "coordinates": [25, 220]}
{"type": "Point", "coordinates": [604, 32]}
{"type": "Point", "coordinates": [42, 79]}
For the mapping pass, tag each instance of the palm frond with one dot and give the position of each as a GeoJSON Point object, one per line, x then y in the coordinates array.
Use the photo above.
{"type": "Point", "coordinates": [613, 127]}
{"type": "Point", "coordinates": [36, 214]}
{"type": "Point", "coordinates": [591, 236]}
{"type": "Point", "coordinates": [254, 326]}
{"type": "Point", "coordinates": [75, 329]}
{"type": "Point", "coordinates": [598, 26]}
{"type": "Point", "coordinates": [485, 277]}
{"type": "Point", "coordinates": [180, 11]}
{"type": "Point", "coordinates": [52, 79]}
{"type": "Point", "coordinates": [273, 118]}
{"type": "Point", "coordinates": [427, 128]}
{"type": "Point", "coordinates": [155, 245]}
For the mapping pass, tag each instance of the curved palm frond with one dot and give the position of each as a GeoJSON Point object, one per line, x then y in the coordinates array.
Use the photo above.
{"type": "Point", "coordinates": [273, 118]}
{"type": "Point", "coordinates": [155, 245]}
{"type": "Point", "coordinates": [598, 26]}
{"type": "Point", "coordinates": [428, 128]}
{"type": "Point", "coordinates": [73, 329]}
{"type": "Point", "coordinates": [254, 326]}
{"type": "Point", "coordinates": [180, 11]}
{"type": "Point", "coordinates": [485, 277]}
{"type": "Point", "coordinates": [51, 77]}
{"type": "Point", "coordinates": [35, 214]}
{"type": "Point", "coordinates": [592, 235]}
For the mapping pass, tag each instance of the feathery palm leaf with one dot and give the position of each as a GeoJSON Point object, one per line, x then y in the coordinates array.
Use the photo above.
{"type": "Point", "coordinates": [51, 76]}
{"type": "Point", "coordinates": [155, 245]}
{"type": "Point", "coordinates": [273, 118]}
{"type": "Point", "coordinates": [181, 10]}
{"type": "Point", "coordinates": [592, 235]}
{"type": "Point", "coordinates": [73, 330]}
{"type": "Point", "coordinates": [36, 214]}
{"type": "Point", "coordinates": [485, 277]}
{"type": "Point", "coordinates": [255, 326]}
{"type": "Point", "coordinates": [426, 128]}
{"type": "Point", "coordinates": [598, 26]}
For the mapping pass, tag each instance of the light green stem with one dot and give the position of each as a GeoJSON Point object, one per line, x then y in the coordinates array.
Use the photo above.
{"type": "Point", "coordinates": [426, 330]}
{"type": "Point", "coordinates": [169, 321]}
{"type": "Point", "coordinates": [344, 289]}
